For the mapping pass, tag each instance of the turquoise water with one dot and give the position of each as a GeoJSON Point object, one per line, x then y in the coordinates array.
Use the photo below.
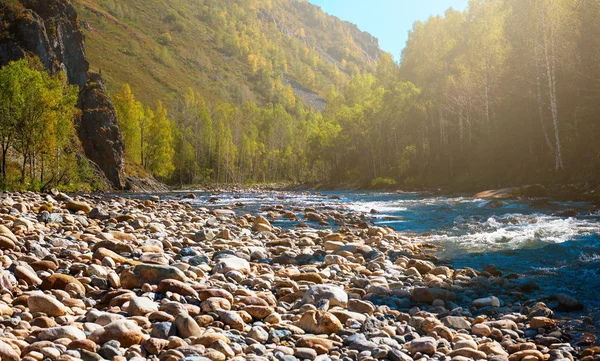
{"type": "Point", "coordinates": [557, 245]}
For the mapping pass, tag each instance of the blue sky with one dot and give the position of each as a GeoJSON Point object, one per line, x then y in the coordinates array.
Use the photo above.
{"type": "Point", "coordinates": [388, 20]}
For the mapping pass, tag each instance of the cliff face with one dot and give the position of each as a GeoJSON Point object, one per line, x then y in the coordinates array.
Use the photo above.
{"type": "Point", "coordinates": [49, 29]}
{"type": "Point", "coordinates": [98, 131]}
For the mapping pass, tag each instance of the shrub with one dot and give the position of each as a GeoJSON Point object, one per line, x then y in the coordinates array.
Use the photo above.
{"type": "Point", "coordinates": [179, 27]}
{"type": "Point", "coordinates": [171, 17]}
{"type": "Point", "coordinates": [165, 39]}
{"type": "Point", "coordinates": [382, 182]}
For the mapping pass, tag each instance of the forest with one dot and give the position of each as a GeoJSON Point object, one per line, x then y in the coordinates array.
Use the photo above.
{"type": "Point", "coordinates": [506, 92]}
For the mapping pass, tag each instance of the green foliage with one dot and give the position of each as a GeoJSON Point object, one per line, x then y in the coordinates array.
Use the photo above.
{"type": "Point", "coordinates": [36, 125]}
{"type": "Point", "coordinates": [171, 18]}
{"type": "Point", "coordinates": [165, 39]}
{"type": "Point", "coordinates": [501, 86]}
{"type": "Point", "coordinates": [157, 142]}
{"type": "Point", "coordinates": [129, 114]}
{"type": "Point", "coordinates": [383, 183]}
{"type": "Point", "coordinates": [264, 43]}
{"type": "Point", "coordinates": [503, 92]}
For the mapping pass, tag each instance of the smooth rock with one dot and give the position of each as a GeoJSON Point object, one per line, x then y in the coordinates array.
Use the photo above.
{"type": "Point", "coordinates": [127, 332]}
{"type": "Point", "coordinates": [319, 322]}
{"type": "Point", "coordinates": [49, 305]}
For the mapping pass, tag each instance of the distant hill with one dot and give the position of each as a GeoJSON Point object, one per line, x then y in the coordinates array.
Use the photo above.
{"type": "Point", "coordinates": [227, 50]}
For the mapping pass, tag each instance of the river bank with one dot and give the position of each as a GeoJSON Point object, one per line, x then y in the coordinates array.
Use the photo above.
{"type": "Point", "coordinates": [115, 278]}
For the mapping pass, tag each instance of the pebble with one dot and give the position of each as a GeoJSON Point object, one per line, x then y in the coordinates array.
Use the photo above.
{"type": "Point", "coordinates": [125, 279]}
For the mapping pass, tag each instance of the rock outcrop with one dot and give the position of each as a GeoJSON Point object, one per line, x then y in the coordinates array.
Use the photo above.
{"type": "Point", "coordinates": [99, 133]}
{"type": "Point", "coordinates": [49, 29]}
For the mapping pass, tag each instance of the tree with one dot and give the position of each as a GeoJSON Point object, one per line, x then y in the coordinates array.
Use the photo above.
{"type": "Point", "coordinates": [36, 117]}
{"type": "Point", "coordinates": [157, 143]}
{"type": "Point", "coordinates": [129, 113]}
{"type": "Point", "coordinates": [12, 105]}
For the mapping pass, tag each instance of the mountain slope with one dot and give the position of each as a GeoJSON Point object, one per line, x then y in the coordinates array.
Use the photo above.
{"type": "Point", "coordinates": [228, 50]}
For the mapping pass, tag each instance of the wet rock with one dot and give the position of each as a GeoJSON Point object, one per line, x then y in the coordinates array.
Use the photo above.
{"type": "Point", "coordinates": [491, 301]}
{"type": "Point", "coordinates": [427, 295]}
{"type": "Point", "coordinates": [568, 303]}
{"type": "Point", "coordinates": [541, 322]}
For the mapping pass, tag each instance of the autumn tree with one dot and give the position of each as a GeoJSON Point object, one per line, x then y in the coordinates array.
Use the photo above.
{"type": "Point", "coordinates": [157, 142]}
{"type": "Point", "coordinates": [129, 114]}
{"type": "Point", "coordinates": [36, 119]}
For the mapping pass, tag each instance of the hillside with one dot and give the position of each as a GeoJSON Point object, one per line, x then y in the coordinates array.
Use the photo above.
{"type": "Point", "coordinates": [232, 51]}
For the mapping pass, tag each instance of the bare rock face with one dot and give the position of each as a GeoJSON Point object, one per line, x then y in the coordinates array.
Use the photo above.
{"type": "Point", "coordinates": [99, 132]}
{"type": "Point", "coordinates": [50, 30]}
{"type": "Point", "coordinates": [66, 41]}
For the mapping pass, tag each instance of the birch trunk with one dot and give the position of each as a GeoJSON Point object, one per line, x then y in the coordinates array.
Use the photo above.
{"type": "Point", "coordinates": [539, 101]}
{"type": "Point", "coordinates": [550, 58]}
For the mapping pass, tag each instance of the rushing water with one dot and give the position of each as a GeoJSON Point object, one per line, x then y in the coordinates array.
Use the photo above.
{"type": "Point", "coordinates": [555, 244]}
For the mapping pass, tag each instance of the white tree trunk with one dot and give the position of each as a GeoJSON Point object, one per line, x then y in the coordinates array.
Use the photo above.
{"type": "Point", "coordinates": [550, 58]}
{"type": "Point", "coordinates": [539, 100]}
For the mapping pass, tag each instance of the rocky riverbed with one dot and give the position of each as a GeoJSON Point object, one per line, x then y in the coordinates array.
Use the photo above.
{"type": "Point", "coordinates": [109, 278]}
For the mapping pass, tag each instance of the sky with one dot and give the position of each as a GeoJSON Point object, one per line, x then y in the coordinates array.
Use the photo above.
{"type": "Point", "coordinates": [388, 20]}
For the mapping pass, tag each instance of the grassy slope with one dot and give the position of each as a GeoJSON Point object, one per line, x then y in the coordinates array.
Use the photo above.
{"type": "Point", "coordinates": [126, 49]}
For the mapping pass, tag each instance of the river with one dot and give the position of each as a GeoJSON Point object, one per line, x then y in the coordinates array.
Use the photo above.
{"type": "Point", "coordinates": [555, 244]}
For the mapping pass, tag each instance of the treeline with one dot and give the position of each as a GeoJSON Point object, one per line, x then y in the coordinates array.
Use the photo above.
{"type": "Point", "coordinates": [39, 147]}
{"type": "Point", "coordinates": [199, 143]}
